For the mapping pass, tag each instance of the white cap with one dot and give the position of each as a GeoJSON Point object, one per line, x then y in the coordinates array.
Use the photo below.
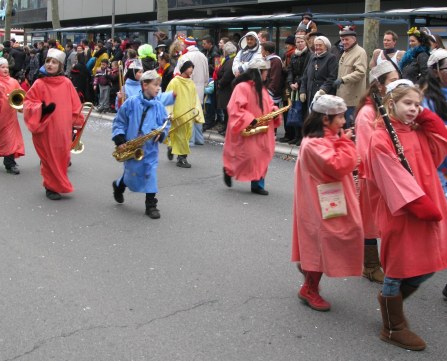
{"type": "Point", "coordinates": [436, 57]}
{"type": "Point", "coordinates": [329, 105]}
{"type": "Point", "coordinates": [259, 63]}
{"type": "Point", "coordinates": [149, 75]}
{"type": "Point", "coordinates": [325, 41]}
{"type": "Point", "coordinates": [384, 67]}
{"type": "Point", "coordinates": [4, 61]}
{"type": "Point", "coordinates": [56, 54]}
{"type": "Point", "coordinates": [397, 83]}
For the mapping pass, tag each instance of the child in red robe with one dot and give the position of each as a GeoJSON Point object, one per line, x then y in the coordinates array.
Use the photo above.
{"type": "Point", "coordinates": [11, 141]}
{"type": "Point", "coordinates": [51, 110]}
{"type": "Point", "coordinates": [411, 206]}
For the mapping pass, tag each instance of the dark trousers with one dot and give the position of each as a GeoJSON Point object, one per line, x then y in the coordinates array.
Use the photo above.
{"type": "Point", "coordinates": [9, 161]}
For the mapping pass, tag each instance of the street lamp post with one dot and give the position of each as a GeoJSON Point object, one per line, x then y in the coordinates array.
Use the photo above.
{"type": "Point", "coordinates": [113, 19]}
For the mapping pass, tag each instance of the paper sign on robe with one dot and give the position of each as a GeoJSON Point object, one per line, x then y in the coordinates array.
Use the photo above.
{"type": "Point", "coordinates": [332, 200]}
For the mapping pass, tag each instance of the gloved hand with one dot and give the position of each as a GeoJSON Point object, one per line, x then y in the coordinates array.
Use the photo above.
{"type": "Point", "coordinates": [337, 83]}
{"type": "Point", "coordinates": [319, 94]}
{"type": "Point", "coordinates": [48, 109]}
{"type": "Point", "coordinates": [302, 97]}
{"type": "Point", "coordinates": [119, 139]}
{"type": "Point", "coordinates": [161, 137]}
{"type": "Point", "coordinates": [254, 122]}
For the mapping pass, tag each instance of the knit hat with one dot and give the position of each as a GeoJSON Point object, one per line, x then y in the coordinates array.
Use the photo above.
{"type": "Point", "coordinates": [290, 40]}
{"type": "Point", "coordinates": [302, 28]}
{"type": "Point", "coordinates": [56, 54]}
{"type": "Point", "coordinates": [436, 57]}
{"type": "Point", "coordinates": [325, 41]}
{"type": "Point", "coordinates": [398, 83]}
{"type": "Point", "coordinates": [384, 67]}
{"type": "Point", "coordinates": [190, 41]}
{"type": "Point", "coordinates": [329, 105]}
{"type": "Point", "coordinates": [348, 30]}
{"type": "Point", "coordinates": [149, 75]}
{"type": "Point", "coordinates": [186, 65]}
{"type": "Point", "coordinates": [3, 61]}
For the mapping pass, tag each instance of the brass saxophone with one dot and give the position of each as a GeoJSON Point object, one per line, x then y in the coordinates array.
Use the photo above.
{"type": "Point", "coordinates": [134, 148]}
{"type": "Point", "coordinates": [261, 125]}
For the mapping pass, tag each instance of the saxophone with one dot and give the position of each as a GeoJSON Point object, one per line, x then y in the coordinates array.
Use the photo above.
{"type": "Point", "coordinates": [133, 149]}
{"type": "Point", "coordinates": [261, 125]}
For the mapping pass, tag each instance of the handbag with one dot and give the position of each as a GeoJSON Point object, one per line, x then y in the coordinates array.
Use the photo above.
{"type": "Point", "coordinates": [295, 114]}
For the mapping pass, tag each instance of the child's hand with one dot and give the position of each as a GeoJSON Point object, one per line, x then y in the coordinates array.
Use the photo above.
{"type": "Point", "coordinates": [347, 133]}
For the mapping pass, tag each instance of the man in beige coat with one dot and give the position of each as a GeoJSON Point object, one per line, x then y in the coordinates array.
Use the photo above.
{"type": "Point", "coordinates": [352, 67]}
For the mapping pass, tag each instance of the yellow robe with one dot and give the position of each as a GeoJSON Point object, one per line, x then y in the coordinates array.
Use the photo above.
{"type": "Point", "coordinates": [186, 99]}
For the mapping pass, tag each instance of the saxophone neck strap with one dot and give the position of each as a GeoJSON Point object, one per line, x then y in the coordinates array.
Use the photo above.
{"type": "Point", "coordinates": [142, 119]}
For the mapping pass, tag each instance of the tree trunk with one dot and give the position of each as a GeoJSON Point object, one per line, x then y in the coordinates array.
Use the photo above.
{"type": "Point", "coordinates": [371, 29]}
{"type": "Point", "coordinates": [55, 14]}
{"type": "Point", "coordinates": [162, 13]}
{"type": "Point", "coordinates": [8, 19]}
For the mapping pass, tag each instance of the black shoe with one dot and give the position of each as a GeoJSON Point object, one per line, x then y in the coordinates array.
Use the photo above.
{"type": "Point", "coordinates": [284, 140]}
{"type": "Point", "coordinates": [298, 142]}
{"type": "Point", "coordinates": [153, 212]}
{"type": "Point", "coordinates": [260, 191]}
{"type": "Point", "coordinates": [227, 179]}
{"type": "Point", "coordinates": [183, 163]}
{"type": "Point", "coordinates": [117, 194]}
{"type": "Point", "coordinates": [13, 170]}
{"type": "Point", "coordinates": [223, 132]}
{"type": "Point", "coordinates": [169, 153]}
{"type": "Point", "coordinates": [444, 291]}
{"type": "Point", "coordinates": [54, 196]}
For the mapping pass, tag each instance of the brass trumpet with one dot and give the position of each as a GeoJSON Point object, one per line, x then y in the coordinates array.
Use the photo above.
{"type": "Point", "coordinates": [262, 122]}
{"type": "Point", "coordinates": [77, 146]}
{"type": "Point", "coordinates": [16, 99]}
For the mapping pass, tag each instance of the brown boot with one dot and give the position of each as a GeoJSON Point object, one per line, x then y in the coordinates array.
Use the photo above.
{"type": "Point", "coordinates": [395, 330]}
{"type": "Point", "coordinates": [371, 268]}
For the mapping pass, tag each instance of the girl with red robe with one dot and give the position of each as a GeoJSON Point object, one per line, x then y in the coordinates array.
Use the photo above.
{"type": "Point", "coordinates": [11, 141]}
{"type": "Point", "coordinates": [248, 158]}
{"type": "Point", "coordinates": [327, 225]}
{"type": "Point", "coordinates": [51, 110]}
{"type": "Point", "coordinates": [411, 207]}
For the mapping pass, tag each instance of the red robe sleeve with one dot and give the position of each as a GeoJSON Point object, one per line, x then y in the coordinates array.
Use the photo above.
{"type": "Point", "coordinates": [32, 109]}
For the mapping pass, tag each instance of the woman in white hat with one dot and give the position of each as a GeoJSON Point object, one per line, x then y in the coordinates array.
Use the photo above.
{"type": "Point", "coordinates": [327, 224]}
{"type": "Point", "coordinates": [365, 124]}
{"type": "Point", "coordinates": [51, 110]}
{"type": "Point", "coordinates": [11, 140]}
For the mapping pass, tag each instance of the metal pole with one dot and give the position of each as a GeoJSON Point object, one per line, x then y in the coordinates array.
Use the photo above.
{"type": "Point", "coordinates": [113, 19]}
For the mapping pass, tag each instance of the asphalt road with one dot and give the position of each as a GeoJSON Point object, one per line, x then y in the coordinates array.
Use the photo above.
{"type": "Point", "coordinates": [85, 278]}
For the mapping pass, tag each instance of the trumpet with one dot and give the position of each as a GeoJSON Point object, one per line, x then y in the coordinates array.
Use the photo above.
{"type": "Point", "coordinates": [77, 146]}
{"type": "Point", "coordinates": [261, 125]}
{"type": "Point", "coordinates": [16, 99]}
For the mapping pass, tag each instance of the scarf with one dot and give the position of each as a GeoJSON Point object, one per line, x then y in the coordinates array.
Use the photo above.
{"type": "Point", "coordinates": [161, 70]}
{"type": "Point", "coordinates": [300, 52]}
{"type": "Point", "coordinates": [411, 54]}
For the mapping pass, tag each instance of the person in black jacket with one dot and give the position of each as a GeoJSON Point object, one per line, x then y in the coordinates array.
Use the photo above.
{"type": "Point", "coordinates": [225, 77]}
{"type": "Point", "coordinates": [166, 70]}
{"type": "Point", "coordinates": [295, 72]}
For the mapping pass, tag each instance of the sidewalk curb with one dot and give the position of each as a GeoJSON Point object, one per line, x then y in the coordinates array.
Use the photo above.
{"type": "Point", "coordinates": [211, 135]}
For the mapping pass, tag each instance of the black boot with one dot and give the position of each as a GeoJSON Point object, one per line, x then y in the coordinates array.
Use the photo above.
{"type": "Point", "coordinates": [444, 291]}
{"type": "Point", "coordinates": [227, 179]}
{"type": "Point", "coordinates": [182, 162]}
{"type": "Point", "coordinates": [151, 206]}
{"type": "Point", "coordinates": [54, 196]}
{"type": "Point", "coordinates": [118, 192]}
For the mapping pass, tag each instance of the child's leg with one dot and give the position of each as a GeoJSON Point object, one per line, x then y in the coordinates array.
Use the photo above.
{"type": "Point", "coordinates": [151, 206]}
{"type": "Point", "coordinates": [10, 164]}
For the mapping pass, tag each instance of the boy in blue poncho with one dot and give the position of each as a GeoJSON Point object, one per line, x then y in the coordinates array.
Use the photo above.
{"type": "Point", "coordinates": [139, 115]}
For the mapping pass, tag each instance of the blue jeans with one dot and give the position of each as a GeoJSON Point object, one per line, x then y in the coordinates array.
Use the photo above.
{"type": "Point", "coordinates": [391, 286]}
{"type": "Point", "coordinates": [197, 135]}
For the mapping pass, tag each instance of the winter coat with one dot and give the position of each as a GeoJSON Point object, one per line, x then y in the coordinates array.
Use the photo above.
{"type": "Point", "coordinates": [141, 176]}
{"type": "Point", "coordinates": [246, 56]}
{"type": "Point", "coordinates": [52, 134]}
{"type": "Point", "coordinates": [333, 246]}
{"type": "Point", "coordinates": [409, 246]}
{"type": "Point", "coordinates": [417, 70]}
{"type": "Point", "coordinates": [11, 140]}
{"type": "Point", "coordinates": [225, 77]}
{"type": "Point", "coordinates": [297, 66]}
{"type": "Point", "coordinates": [248, 158]}
{"type": "Point", "coordinates": [352, 69]}
{"type": "Point", "coordinates": [320, 74]}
